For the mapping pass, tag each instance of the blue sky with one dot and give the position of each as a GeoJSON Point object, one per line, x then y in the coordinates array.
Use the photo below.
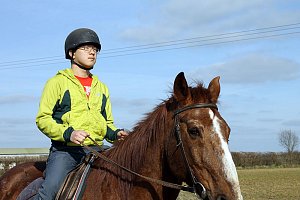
{"type": "Point", "coordinates": [260, 70]}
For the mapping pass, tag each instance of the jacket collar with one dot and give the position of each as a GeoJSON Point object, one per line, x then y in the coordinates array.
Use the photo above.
{"type": "Point", "coordinates": [70, 75]}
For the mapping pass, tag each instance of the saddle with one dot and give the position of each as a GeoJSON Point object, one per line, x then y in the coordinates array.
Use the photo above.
{"type": "Point", "coordinates": [73, 186]}
{"type": "Point", "coordinates": [71, 189]}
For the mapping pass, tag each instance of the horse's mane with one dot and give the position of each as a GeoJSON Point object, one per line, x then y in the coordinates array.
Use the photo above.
{"type": "Point", "coordinates": [131, 152]}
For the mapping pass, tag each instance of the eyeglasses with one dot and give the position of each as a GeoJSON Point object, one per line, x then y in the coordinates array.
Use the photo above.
{"type": "Point", "coordinates": [88, 48]}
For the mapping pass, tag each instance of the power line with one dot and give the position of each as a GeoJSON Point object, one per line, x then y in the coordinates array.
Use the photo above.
{"type": "Point", "coordinates": [199, 45]}
{"type": "Point", "coordinates": [170, 45]}
{"type": "Point", "coordinates": [33, 59]}
{"type": "Point", "coordinates": [209, 38]}
{"type": "Point", "coordinates": [33, 65]}
{"type": "Point", "coordinates": [30, 61]}
{"type": "Point", "coordinates": [203, 37]}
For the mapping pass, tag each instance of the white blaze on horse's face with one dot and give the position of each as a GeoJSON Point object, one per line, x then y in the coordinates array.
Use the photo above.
{"type": "Point", "coordinates": [227, 161]}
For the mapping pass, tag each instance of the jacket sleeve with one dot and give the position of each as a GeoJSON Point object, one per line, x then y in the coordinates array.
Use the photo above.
{"type": "Point", "coordinates": [111, 133]}
{"type": "Point", "coordinates": [46, 119]}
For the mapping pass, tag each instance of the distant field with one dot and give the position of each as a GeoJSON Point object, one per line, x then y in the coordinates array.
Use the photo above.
{"type": "Point", "coordinates": [277, 183]}
{"type": "Point", "coordinates": [265, 184]}
{"type": "Point", "coordinates": [21, 151]}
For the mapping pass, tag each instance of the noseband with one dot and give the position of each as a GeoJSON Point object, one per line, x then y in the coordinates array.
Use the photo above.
{"type": "Point", "coordinates": [198, 187]}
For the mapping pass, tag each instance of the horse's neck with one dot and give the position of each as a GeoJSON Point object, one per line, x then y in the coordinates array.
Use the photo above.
{"type": "Point", "coordinates": [143, 149]}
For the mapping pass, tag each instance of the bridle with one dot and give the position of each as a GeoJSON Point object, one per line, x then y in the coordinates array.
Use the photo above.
{"type": "Point", "coordinates": [198, 187]}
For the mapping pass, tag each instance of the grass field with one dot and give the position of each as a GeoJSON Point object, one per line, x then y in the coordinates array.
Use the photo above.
{"type": "Point", "coordinates": [265, 184]}
{"type": "Point", "coordinates": [277, 183]}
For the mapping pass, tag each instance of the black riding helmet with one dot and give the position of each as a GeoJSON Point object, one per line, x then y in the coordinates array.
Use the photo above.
{"type": "Point", "coordinates": [81, 37]}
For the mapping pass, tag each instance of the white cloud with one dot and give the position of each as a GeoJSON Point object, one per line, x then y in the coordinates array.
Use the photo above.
{"type": "Point", "coordinates": [252, 68]}
{"type": "Point", "coordinates": [16, 121]}
{"type": "Point", "coordinates": [295, 122]}
{"type": "Point", "coordinates": [180, 19]}
{"type": "Point", "coordinates": [15, 99]}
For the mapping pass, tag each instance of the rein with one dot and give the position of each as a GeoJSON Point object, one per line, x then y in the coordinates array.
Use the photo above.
{"type": "Point", "coordinates": [198, 187]}
{"type": "Point", "coordinates": [164, 183]}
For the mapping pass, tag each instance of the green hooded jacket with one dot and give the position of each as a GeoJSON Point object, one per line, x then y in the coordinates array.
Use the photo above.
{"type": "Point", "coordinates": [64, 107]}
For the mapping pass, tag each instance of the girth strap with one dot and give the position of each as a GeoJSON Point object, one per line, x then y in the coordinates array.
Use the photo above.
{"type": "Point", "coordinates": [78, 192]}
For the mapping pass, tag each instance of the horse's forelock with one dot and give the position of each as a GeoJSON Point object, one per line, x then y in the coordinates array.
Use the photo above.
{"type": "Point", "coordinates": [200, 93]}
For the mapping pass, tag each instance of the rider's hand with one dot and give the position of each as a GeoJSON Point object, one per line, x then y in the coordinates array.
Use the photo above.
{"type": "Point", "coordinates": [78, 137]}
{"type": "Point", "coordinates": [122, 134]}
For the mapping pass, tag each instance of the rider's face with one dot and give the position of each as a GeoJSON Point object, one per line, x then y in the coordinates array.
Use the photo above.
{"type": "Point", "coordinates": [86, 55]}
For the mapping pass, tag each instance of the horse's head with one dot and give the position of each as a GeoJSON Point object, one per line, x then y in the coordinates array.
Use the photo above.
{"type": "Point", "coordinates": [204, 156]}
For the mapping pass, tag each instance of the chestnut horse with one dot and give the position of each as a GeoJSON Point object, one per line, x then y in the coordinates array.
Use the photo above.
{"type": "Point", "coordinates": [184, 139]}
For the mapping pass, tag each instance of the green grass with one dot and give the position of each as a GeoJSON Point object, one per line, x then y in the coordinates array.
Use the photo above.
{"type": "Point", "coordinates": [276, 183]}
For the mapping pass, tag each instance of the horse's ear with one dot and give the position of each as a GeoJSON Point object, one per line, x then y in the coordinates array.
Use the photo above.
{"type": "Point", "coordinates": [214, 89]}
{"type": "Point", "coordinates": [181, 89]}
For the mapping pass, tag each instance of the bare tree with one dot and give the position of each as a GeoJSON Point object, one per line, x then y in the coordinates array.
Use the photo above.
{"type": "Point", "coordinates": [288, 140]}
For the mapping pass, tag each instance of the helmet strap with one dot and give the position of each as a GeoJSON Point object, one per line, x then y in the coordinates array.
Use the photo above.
{"type": "Point", "coordinates": [81, 66]}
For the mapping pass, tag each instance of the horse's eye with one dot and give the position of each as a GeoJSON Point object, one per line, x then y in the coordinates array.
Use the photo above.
{"type": "Point", "coordinates": [194, 132]}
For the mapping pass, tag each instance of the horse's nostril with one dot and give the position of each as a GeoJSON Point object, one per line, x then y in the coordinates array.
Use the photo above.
{"type": "Point", "coordinates": [221, 198]}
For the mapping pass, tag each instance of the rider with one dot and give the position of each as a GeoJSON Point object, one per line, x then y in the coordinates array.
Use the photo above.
{"type": "Point", "coordinates": [75, 104]}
